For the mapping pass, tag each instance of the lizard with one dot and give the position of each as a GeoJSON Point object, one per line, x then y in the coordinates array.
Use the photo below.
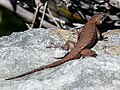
{"type": "Point", "coordinates": [87, 38]}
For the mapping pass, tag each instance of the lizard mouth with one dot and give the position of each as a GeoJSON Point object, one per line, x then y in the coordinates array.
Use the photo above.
{"type": "Point", "coordinates": [99, 22]}
{"type": "Point", "coordinates": [102, 19]}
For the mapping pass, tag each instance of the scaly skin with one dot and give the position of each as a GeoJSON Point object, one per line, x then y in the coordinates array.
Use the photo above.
{"type": "Point", "coordinates": [87, 38]}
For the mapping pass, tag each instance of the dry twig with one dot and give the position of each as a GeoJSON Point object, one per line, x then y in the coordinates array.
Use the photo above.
{"type": "Point", "coordinates": [53, 18]}
{"type": "Point", "coordinates": [35, 15]}
{"type": "Point", "coordinates": [43, 13]}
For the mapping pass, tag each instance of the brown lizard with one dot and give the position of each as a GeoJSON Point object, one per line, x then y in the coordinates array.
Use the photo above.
{"type": "Point", "coordinates": [87, 38]}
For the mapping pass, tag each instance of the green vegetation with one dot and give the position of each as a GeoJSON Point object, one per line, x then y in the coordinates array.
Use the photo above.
{"type": "Point", "coordinates": [10, 22]}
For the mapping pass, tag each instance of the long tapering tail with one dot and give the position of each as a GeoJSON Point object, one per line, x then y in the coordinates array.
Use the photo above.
{"type": "Point", "coordinates": [57, 63]}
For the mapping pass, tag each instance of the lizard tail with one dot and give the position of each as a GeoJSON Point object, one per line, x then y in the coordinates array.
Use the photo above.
{"type": "Point", "coordinates": [57, 63]}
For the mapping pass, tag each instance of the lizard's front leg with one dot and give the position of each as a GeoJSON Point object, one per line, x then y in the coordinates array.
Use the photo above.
{"type": "Point", "coordinates": [99, 35]}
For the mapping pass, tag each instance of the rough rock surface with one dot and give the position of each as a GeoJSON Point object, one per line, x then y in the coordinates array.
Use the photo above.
{"type": "Point", "coordinates": [24, 51]}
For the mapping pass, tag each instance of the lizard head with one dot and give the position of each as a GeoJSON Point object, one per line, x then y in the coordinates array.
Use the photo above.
{"type": "Point", "coordinates": [98, 18]}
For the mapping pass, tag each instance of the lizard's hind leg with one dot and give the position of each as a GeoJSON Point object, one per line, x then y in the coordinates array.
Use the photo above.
{"type": "Point", "coordinates": [69, 45]}
{"type": "Point", "coordinates": [88, 52]}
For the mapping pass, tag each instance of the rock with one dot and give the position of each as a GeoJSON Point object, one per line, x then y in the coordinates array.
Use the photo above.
{"type": "Point", "coordinates": [24, 51]}
{"type": "Point", "coordinates": [115, 3]}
